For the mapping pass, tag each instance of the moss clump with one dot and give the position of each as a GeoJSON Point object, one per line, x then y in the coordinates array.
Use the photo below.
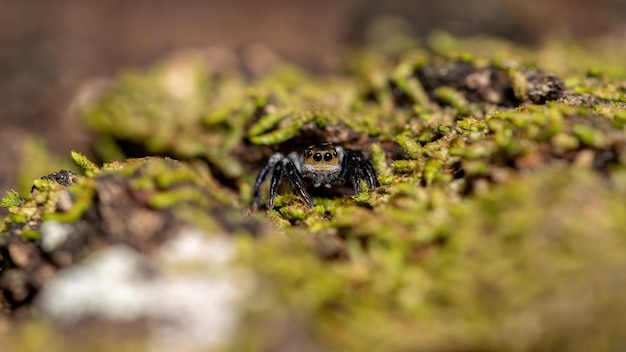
{"type": "Point", "coordinates": [12, 199]}
{"type": "Point", "coordinates": [140, 202]}
{"type": "Point", "coordinates": [497, 225]}
{"type": "Point", "coordinates": [506, 270]}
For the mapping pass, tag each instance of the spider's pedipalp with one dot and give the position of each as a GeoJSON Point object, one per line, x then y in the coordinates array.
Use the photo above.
{"type": "Point", "coordinates": [346, 162]}
{"type": "Point", "coordinates": [296, 160]}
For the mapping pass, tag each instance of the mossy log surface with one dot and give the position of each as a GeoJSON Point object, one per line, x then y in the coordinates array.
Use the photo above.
{"type": "Point", "coordinates": [498, 225]}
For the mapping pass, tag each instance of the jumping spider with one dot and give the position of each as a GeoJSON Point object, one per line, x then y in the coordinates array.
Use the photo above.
{"type": "Point", "coordinates": [324, 164]}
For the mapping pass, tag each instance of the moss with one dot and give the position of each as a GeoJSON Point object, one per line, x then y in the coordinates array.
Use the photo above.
{"type": "Point", "coordinates": [168, 111]}
{"type": "Point", "coordinates": [497, 226]}
{"type": "Point", "coordinates": [410, 146]}
{"type": "Point", "coordinates": [461, 270]}
{"type": "Point", "coordinates": [294, 124]}
{"type": "Point", "coordinates": [12, 199]}
{"type": "Point", "coordinates": [379, 161]}
{"type": "Point", "coordinates": [37, 160]}
{"type": "Point", "coordinates": [453, 98]}
{"type": "Point", "coordinates": [88, 167]}
{"type": "Point", "coordinates": [589, 136]}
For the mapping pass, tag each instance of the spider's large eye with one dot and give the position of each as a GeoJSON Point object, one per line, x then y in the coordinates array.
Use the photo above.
{"type": "Point", "coordinates": [308, 153]}
{"type": "Point", "coordinates": [328, 157]}
{"type": "Point", "coordinates": [317, 157]}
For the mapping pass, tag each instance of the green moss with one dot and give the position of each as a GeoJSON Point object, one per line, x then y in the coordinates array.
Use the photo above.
{"type": "Point", "coordinates": [169, 109]}
{"type": "Point", "coordinates": [379, 161]}
{"type": "Point", "coordinates": [565, 141]}
{"type": "Point", "coordinates": [82, 194]}
{"type": "Point", "coordinates": [283, 134]}
{"type": "Point", "coordinates": [407, 166]}
{"type": "Point", "coordinates": [160, 184]}
{"type": "Point", "coordinates": [88, 167]}
{"type": "Point", "coordinates": [12, 199]}
{"type": "Point", "coordinates": [453, 98]}
{"type": "Point", "coordinates": [17, 218]}
{"type": "Point", "coordinates": [31, 235]}
{"type": "Point", "coordinates": [475, 279]}
{"type": "Point", "coordinates": [408, 144]}
{"type": "Point", "coordinates": [471, 124]}
{"type": "Point", "coordinates": [294, 212]}
{"type": "Point", "coordinates": [497, 227]}
{"type": "Point", "coordinates": [589, 136]}
{"type": "Point", "coordinates": [37, 160]}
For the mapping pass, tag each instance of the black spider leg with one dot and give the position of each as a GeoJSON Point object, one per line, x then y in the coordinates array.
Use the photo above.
{"type": "Point", "coordinates": [293, 176]}
{"type": "Point", "coordinates": [370, 174]}
{"type": "Point", "coordinates": [257, 186]}
{"type": "Point", "coordinates": [358, 169]}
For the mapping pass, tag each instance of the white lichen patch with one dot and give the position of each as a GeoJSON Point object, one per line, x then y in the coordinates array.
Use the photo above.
{"type": "Point", "coordinates": [184, 310]}
{"type": "Point", "coordinates": [194, 246]}
{"type": "Point", "coordinates": [110, 284]}
{"type": "Point", "coordinates": [54, 234]}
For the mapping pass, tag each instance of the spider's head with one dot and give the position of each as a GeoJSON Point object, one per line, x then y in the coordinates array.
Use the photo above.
{"type": "Point", "coordinates": [322, 157]}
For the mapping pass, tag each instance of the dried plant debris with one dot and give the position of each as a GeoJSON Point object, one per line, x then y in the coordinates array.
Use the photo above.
{"type": "Point", "coordinates": [497, 223]}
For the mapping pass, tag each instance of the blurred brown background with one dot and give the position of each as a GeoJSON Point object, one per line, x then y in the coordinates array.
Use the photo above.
{"type": "Point", "coordinates": [50, 49]}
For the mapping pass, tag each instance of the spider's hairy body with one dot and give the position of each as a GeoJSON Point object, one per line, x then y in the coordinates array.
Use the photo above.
{"type": "Point", "coordinates": [324, 164]}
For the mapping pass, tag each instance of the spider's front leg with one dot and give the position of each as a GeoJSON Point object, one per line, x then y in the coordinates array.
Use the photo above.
{"type": "Point", "coordinates": [256, 199]}
{"type": "Point", "coordinates": [357, 168]}
{"type": "Point", "coordinates": [279, 167]}
{"type": "Point", "coordinates": [263, 175]}
{"type": "Point", "coordinates": [287, 169]}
